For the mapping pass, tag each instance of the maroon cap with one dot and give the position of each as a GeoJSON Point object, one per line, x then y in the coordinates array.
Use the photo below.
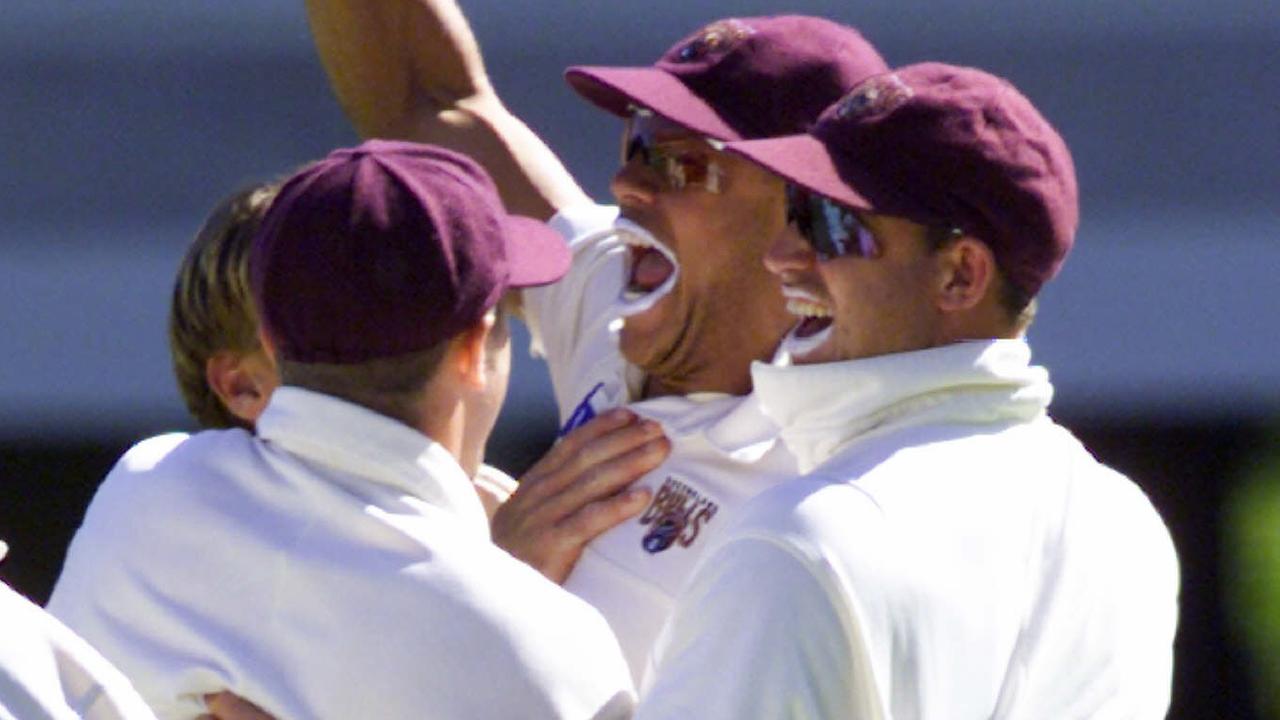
{"type": "Point", "coordinates": [390, 248]}
{"type": "Point", "coordinates": [943, 146]}
{"type": "Point", "coordinates": [741, 78]}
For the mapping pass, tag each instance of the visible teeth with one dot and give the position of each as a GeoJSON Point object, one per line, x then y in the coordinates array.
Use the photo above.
{"type": "Point", "coordinates": [794, 347]}
{"type": "Point", "coordinates": [635, 235]}
{"type": "Point", "coordinates": [634, 239]}
{"type": "Point", "coordinates": [805, 308]}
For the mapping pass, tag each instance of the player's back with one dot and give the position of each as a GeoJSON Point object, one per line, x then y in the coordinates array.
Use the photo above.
{"type": "Point", "coordinates": [321, 590]}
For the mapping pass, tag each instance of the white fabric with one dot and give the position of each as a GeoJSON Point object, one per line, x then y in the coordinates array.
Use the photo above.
{"type": "Point", "coordinates": [955, 554]}
{"type": "Point", "coordinates": [48, 673]}
{"type": "Point", "coordinates": [337, 565]}
{"type": "Point", "coordinates": [723, 449]}
{"type": "Point", "coordinates": [494, 487]}
{"type": "Point", "coordinates": [574, 322]}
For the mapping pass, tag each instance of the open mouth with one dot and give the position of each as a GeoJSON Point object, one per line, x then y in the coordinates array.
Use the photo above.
{"type": "Point", "coordinates": [648, 268]}
{"type": "Point", "coordinates": [651, 268]}
{"type": "Point", "coordinates": [814, 328]}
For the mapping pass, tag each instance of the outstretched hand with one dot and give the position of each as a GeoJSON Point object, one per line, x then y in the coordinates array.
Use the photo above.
{"type": "Point", "coordinates": [578, 490]}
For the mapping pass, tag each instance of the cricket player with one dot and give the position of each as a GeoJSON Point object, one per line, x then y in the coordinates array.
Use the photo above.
{"type": "Point", "coordinates": [226, 377]}
{"type": "Point", "coordinates": [950, 551]}
{"type": "Point", "coordinates": [46, 670]}
{"type": "Point", "coordinates": [338, 562]}
{"type": "Point", "coordinates": [677, 263]}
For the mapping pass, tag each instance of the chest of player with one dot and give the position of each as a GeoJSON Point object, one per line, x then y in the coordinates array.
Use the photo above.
{"type": "Point", "coordinates": [692, 495]}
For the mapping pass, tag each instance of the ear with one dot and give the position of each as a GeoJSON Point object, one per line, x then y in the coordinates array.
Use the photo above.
{"type": "Point", "coordinates": [968, 274]}
{"type": "Point", "coordinates": [243, 382]}
{"type": "Point", "coordinates": [469, 354]}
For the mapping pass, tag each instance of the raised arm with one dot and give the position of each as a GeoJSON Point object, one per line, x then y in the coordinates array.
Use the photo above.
{"type": "Point", "coordinates": [412, 70]}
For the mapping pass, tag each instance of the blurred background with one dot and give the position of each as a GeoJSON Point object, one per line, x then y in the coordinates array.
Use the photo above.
{"type": "Point", "coordinates": [124, 122]}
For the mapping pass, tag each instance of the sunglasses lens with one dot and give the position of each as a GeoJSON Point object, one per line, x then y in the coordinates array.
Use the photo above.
{"type": "Point", "coordinates": [831, 229]}
{"type": "Point", "coordinates": [633, 141]}
{"type": "Point", "coordinates": [798, 211]}
{"type": "Point", "coordinates": [678, 168]}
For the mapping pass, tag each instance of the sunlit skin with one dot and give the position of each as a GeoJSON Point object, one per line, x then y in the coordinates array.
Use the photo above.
{"type": "Point", "coordinates": [484, 379]}
{"type": "Point", "coordinates": [883, 304]}
{"type": "Point", "coordinates": [726, 309]}
{"type": "Point", "coordinates": [243, 381]}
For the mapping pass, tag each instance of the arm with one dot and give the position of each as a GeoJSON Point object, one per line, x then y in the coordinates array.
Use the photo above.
{"type": "Point", "coordinates": [411, 69]}
{"type": "Point", "coordinates": [768, 625]}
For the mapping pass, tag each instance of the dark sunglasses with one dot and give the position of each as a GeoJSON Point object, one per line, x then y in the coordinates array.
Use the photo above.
{"type": "Point", "coordinates": [831, 229]}
{"type": "Point", "coordinates": [678, 168]}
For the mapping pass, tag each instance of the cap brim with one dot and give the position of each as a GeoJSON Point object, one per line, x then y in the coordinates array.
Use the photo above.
{"type": "Point", "coordinates": [536, 254]}
{"type": "Point", "coordinates": [805, 161]}
{"type": "Point", "coordinates": [615, 89]}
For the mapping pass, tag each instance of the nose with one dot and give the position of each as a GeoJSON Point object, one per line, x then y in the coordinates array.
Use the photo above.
{"type": "Point", "coordinates": [789, 252]}
{"type": "Point", "coordinates": [634, 184]}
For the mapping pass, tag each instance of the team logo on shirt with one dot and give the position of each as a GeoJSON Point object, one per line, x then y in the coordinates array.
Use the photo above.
{"type": "Point", "coordinates": [676, 516]}
{"type": "Point", "coordinates": [583, 413]}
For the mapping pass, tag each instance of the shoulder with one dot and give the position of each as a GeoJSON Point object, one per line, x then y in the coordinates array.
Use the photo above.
{"type": "Point", "coordinates": [774, 615]}
{"type": "Point", "coordinates": [806, 543]}
{"type": "Point", "coordinates": [150, 468]}
{"type": "Point", "coordinates": [1111, 525]}
{"type": "Point", "coordinates": [145, 454]}
{"type": "Point", "coordinates": [807, 512]}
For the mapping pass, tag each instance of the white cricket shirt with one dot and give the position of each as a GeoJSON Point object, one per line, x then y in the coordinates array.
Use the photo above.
{"type": "Point", "coordinates": [955, 554]}
{"type": "Point", "coordinates": [47, 671]}
{"type": "Point", "coordinates": [724, 450]}
{"type": "Point", "coordinates": [338, 565]}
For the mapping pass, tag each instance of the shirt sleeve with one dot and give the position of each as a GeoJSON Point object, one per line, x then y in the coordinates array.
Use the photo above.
{"type": "Point", "coordinates": [574, 322]}
{"type": "Point", "coordinates": [48, 671]}
{"type": "Point", "coordinates": [761, 631]}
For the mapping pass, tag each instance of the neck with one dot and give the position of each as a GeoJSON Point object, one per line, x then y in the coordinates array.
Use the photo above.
{"type": "Point", "coordinates": [720, 364]}
{"type": "Point", "coordinates": [737, 383]}
{"type": "Point", "coordinates": [444, 420]}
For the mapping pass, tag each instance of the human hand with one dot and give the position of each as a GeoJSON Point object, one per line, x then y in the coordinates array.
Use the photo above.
{"type": "Point", "coordinates": [226, 705]}
{"type": "Point", "coordinates": [578, 490]}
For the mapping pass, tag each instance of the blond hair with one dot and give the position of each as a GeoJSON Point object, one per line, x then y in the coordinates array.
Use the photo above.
{"type": "Point", "coordinates": [212, 308]}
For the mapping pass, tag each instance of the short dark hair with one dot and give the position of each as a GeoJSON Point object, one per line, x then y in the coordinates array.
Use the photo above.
{"type": "Point", "coordinates": [1017, 302]}
{"type": "Point", "coordinates": [390, 386]}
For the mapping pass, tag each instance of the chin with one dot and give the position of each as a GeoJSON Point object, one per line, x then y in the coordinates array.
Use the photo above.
{"type": "Point", "coordinates": [636, 345]}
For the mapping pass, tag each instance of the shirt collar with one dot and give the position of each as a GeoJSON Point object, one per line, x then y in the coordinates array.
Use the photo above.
{"type": "Point", "coordinates": [733, 424]}
{"type": "Point", "coordinates": [825, 406]}
{"type": "Point", "coordinates": [360, 442]}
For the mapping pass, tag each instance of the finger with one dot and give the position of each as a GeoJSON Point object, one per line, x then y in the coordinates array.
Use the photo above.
{"type": "Point", "coordinates": [596, 518]}
{"type": "Point", "coordinates": [564, 545]}
{"type": "Point", "coordinates": [602, 450]}
{"type": "Point", "coordinates": [546, 536]}
{"type": "Point", "coordinates": [606, 478]}
{"type": "Point", "coordinates": [569, 445]}
{"type": "Point", "coordinates": [226, 705]}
